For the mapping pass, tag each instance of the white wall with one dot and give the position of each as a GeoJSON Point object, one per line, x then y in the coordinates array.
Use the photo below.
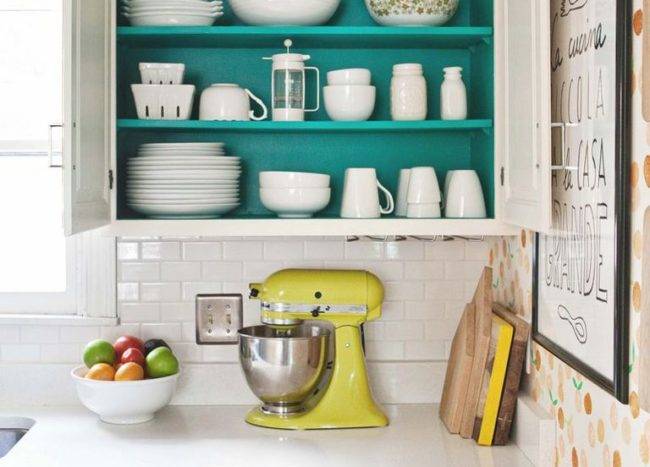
{"type": "Point", "coordinates": [426, 285]}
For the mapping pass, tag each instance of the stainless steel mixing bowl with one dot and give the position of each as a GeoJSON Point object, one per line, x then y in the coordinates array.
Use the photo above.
{"type": "Point", "coordinates": [283, 365]}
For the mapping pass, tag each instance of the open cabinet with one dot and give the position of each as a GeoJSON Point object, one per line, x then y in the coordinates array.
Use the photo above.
{"type": "Point", "coordinates": [502, 47]}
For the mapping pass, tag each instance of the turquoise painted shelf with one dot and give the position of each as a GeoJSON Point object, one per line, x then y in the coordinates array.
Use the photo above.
{"type": "Point", "coordinates": [353, 37]}
{"type": "Point", "coordinates": [308, 126]}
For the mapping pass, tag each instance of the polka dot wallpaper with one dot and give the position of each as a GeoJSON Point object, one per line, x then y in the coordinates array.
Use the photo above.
{"type": "Point", "coordinates": [593, 428]}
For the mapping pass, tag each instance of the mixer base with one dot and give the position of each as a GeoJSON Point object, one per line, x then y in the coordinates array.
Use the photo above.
{"type": "Point", "coordinates": [315, 420]}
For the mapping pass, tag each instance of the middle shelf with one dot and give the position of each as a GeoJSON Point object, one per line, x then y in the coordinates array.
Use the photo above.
{"type": "Point", "coordinates": [306, 126]}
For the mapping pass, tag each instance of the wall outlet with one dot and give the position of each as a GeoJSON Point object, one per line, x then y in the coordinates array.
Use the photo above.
{"type": "Point", "coordinates": [218, 318]}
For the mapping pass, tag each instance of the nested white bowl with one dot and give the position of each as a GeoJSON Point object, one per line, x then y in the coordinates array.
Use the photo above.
{"type": "Point", "coordinates": [360, 76]}
{"type": "Point", "coordinates": [161, 73]}
{"type": "Point", "coordinates": [349, 102]}
{"type": "Point", "coordinates": [284, 12]}
{"type": "Point", "coordinates": [124, 402]}
{"type": "Point", "coordinates": [275, 179]}
{"type": "Point", "coordinates": [412, 12]}
{"type": "Point", "coordinates": [295, 203]}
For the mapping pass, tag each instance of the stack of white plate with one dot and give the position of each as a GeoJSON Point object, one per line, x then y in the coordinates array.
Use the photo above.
{"type": "Point", "coordinates": [183, 181]}
{"type": "Point", "coordinates": [172, 12]}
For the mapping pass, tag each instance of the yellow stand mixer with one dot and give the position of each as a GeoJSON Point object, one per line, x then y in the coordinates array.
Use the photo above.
{"type": "Point", "coordinates": [284, 361]}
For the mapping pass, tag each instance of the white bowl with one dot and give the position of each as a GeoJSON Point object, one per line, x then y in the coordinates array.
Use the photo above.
{"type": "Point", "coordinates": [349, 76]}
{"type": "Point", "coordinates": [161, 73]}
{"type": "Point", "coordinates": [124, 402]}
{"type": "Point", "coordinates": [172, 19]}
{"type": "Point", "coordinates": [413, 12]}
{"type": "Point", "coordinates": [295, 202]}
{"type": "Point", "coordinates": [284, 12]}
{"type": "Point", "coordinates": [349, 102]}
{"type": "Point", "coordinates": [294, 180]}
{"type": "Point", "coordinates": [163, 101]}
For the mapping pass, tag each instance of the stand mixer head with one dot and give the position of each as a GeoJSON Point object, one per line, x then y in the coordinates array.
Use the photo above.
{"type": "Point", "coordinates": [284, 361]}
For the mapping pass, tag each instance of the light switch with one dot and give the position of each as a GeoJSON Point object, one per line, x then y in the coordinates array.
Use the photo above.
{"type": "Point", "coordinates": [218, 318]}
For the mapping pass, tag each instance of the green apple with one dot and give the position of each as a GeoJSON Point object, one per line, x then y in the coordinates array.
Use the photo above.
{"type": "Point", "coordinates": [161, 362]}
{"type": "Point", "coordinates": [99, 351]}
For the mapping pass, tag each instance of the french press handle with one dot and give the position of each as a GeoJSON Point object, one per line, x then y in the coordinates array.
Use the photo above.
{"type": "Point", "coordinates": [315, 109]}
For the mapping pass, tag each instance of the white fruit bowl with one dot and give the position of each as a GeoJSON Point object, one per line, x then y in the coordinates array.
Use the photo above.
{"type": "Point", "coordinates": [284, 12]}
{"type": "Point", "coordinates": [124, 402]}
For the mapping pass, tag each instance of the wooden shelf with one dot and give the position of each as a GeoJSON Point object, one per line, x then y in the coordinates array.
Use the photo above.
{"type": "Point", "coordinates": [310, 227]}
{"type": "Point", "coordinates": [352, 37]}
{"type": "Point", "coordinates": [308, 126]}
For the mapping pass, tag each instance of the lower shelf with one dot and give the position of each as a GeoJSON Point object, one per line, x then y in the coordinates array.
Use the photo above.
{"type": "Point", "coordinates": [310, 227]}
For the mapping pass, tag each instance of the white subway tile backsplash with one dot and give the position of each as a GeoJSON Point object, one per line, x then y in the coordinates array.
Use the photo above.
{"type": "Point", "coordinates": [160, 291]}
{"type": "Point", "coordinates": [9, 335]}
{"type": "Point", "coordinates": [260, 270]}
{"type": "Point", "coordinates": [392, 311]}
{"type": "Point", "coordinates": [188, 331]}
{"type": "Point", "coordinates": [477, 251]}
{"type": "Point", "coordinates": [139, 312]}
{"type": "Point", "coordinates": [20, 353]}
{"type": "Point", "coordinates": [222, 271]}
{"type": "Point", "coordinates": [180, 271]}
{"type": "Point", "coordinates": [403, 330]}
{"type": "Point", "coordinates": [128, 291]}
{"type": "Point", "coordinates": [440, 330]}
{"type": "Point", "coordinates": [243, 250]}
{"type": "Point", "coordinates": [283, 251]}
{"type": "Point", "coordinates": [424, 270]}
{"type": "Point", "coordinates": [406, 250]}
{"type": "Point", "coordinates": [406, 290]}
{"type": "Point", "coordinates": [325, 249]}
{"type": "Point", "coordinates": [445, 290]}
{"type": "Point", "coordinates": [181, 311]}
{"type": "Point", "coordinates": [139, 271]}
{"type": "Point", "coordinates": [374, 330]}
{"type": "Point", "coordinates": [202, 251]}
{"type": "Point", "coordinates": [384, 350]}
{"type": "Point", "coordinates": [385, 270]}
{"type": "Point", "coordinates": [62, 353]}
{"type": "Point", "coordinates": [128, 251]}
{"type": "Point", "coordinates": [424, 350]}
{"type": "Point", "coordinates": [362, 249]}
{"type": "Point", "coordinates": [161, 250]}
{"type": "Point", "coordinates": [170, 332]}
{"type": "Point", "coordinates": [186, 352]}
{"type": "Point", "coordinates": [79, 334]}
{"type": "Point", "coordinates": [426, 310]}
{"type": "Point", "coordinates": [454, 250]}
{"type": "Point", "coordinates": [39, 334]}
{"type": "Point", "coordinates": [220, 353]}
{"type": "Point", "coordinates": [111, 333]}
{"type": "Point", "coordinates": [191, 289]}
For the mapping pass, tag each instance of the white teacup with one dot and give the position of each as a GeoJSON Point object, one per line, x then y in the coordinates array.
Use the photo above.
{"type": "Point", "coordinates": [229, 102]}
{"type": "Point", "coordinates": [361, 197]}
{"type": "Point", "coordinates": [402, 192]}
{"type": "Point", "coordinates": [423, 186]}
{"type": "Point", "coordinates": [423, 211]}
{"type": "Point", "coordinates": [465, 196]}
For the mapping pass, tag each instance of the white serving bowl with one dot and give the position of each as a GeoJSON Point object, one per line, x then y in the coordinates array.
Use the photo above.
{"type": "Point", "coordinates": [349, 76]}
{"type": "Point", "coordinates": [284, 12]}
{"type": "Point", "coordinates": [349, 102]}
{"type": "Point", "coordinates": [163, 101]}
{"type": "Point", "coordinates": [391, 13]}
{"type": "Point", "coordinates": [295, 203]}
{"type": "Point", "coordinates": [124, 402]}
{"type": "Point", "coordinates": [294, 180]}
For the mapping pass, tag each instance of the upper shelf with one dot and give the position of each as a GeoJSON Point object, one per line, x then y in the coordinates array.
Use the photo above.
{"type": "Point", "coordinates": [316, 126]}
{"type": "Point", "coordinates": [353, 37]}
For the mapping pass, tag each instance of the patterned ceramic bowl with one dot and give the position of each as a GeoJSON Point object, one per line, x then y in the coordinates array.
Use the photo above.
{"type": "Point", "coordinates": [412, 12]}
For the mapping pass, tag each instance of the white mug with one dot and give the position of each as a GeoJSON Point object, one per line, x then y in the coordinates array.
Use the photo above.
{"type": "Point", "coordinates": [229, 102]}
{"type": "Point", "coordinates": [423, 186]}
{"type": "Point", "coordinates": [402, 192]}
{"type": "Point", "coordinates": [465, 196]}
{"type": "Point", "coordinates": [423, 211]}
{"type": "Point", "coordinates": [360, 195]}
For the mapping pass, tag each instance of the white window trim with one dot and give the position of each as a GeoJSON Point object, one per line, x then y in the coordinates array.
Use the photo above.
{"type": "Point", "coordinates": [92, 264]}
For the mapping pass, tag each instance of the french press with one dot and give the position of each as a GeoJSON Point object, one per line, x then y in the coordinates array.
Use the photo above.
{"type": "Point", "coordinates": [288, 85]}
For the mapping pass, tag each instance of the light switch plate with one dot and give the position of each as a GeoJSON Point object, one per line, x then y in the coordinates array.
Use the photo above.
{"type": "Point", "coordinates": [218, 318]}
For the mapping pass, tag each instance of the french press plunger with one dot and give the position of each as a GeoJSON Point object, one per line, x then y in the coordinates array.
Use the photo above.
{"type": "Point", "coordinates": [288, 85]}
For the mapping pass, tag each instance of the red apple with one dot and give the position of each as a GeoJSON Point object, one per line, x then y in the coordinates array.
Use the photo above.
{"type": "Point", "coordinates": [133, 355]}
{"type": "Point", "coordinates": [126, 342]}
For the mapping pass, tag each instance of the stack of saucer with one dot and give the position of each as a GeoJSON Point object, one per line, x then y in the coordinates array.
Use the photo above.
{"type": "Point", "coordinates": [183, 181]}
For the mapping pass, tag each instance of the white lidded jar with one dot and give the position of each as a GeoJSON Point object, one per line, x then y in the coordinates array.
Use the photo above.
{"type": "Point", "coordinates": [408, 92]}
{"type": "Point", "coordinates": [453, 95]}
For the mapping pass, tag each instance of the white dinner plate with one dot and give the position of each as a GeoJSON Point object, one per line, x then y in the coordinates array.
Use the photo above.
{"type": "Point", "coordinates": [183, 201]}
{"type": "Point", "coordinates": [184, 174]}
{"type": "Point", "coordinates": [181, 185]}
{"type": "Point", "coordinates": [183, 211]}
{"type": "Point", "coordinates": [163, 191]}
{"type": "Point", "coordinates": [184, 154]}
{"type": "Point", "coordinates": [212, 145]}
{"type": "Point", "coordinates": [174, 162]}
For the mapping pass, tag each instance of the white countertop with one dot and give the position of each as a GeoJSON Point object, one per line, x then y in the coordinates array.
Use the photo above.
{"type": "Point", "coordinates": [218, 436]}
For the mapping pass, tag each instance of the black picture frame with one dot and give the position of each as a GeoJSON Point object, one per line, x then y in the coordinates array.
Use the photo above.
{"type": "Point", "coordinates": [618, 384]}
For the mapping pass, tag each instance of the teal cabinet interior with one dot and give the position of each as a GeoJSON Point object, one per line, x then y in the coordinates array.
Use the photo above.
{"type": "Point", "coordinates": [232, 53]}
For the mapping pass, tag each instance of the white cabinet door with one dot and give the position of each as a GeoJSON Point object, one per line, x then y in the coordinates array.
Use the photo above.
{"type": "Point", "coordinates": [87, 130]}
{"type": "Point", "coordinates": [522, 112]}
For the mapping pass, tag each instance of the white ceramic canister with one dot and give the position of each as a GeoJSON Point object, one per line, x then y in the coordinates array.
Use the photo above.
{"type": "Point", "coordinates": [408, 92]}
{"type": "Point", "coordinates": [453, 95]}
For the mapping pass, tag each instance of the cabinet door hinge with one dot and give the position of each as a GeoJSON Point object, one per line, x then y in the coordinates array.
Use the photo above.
{"type": "Point", "coordinates": [110, 179]}
{"type": "Point", "coordinates": [502, 175]}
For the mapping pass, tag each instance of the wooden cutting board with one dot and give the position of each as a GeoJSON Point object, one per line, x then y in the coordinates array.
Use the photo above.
{"type": "Point", "coordinates": [644, 325]}
{"type": "Point", "coordinates": [513, 375]}
{"type": "Point", "coordinates": [482, 304]}
{"type": "Point", "coordinates": [459, 367]}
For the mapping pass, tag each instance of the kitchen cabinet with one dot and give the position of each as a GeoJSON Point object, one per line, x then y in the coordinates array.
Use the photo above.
{"type": "Point", "coordinates": [502, 46]}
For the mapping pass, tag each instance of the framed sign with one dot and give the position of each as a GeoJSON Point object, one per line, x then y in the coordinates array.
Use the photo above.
{"type": "Point", "coordinates": [581, 270]}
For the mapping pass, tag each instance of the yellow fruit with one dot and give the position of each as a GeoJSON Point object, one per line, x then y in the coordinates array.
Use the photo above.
{"type": "Point", "coordinates": [130, 371]}
{"type": "Point", "coordinates": [101, 371]}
